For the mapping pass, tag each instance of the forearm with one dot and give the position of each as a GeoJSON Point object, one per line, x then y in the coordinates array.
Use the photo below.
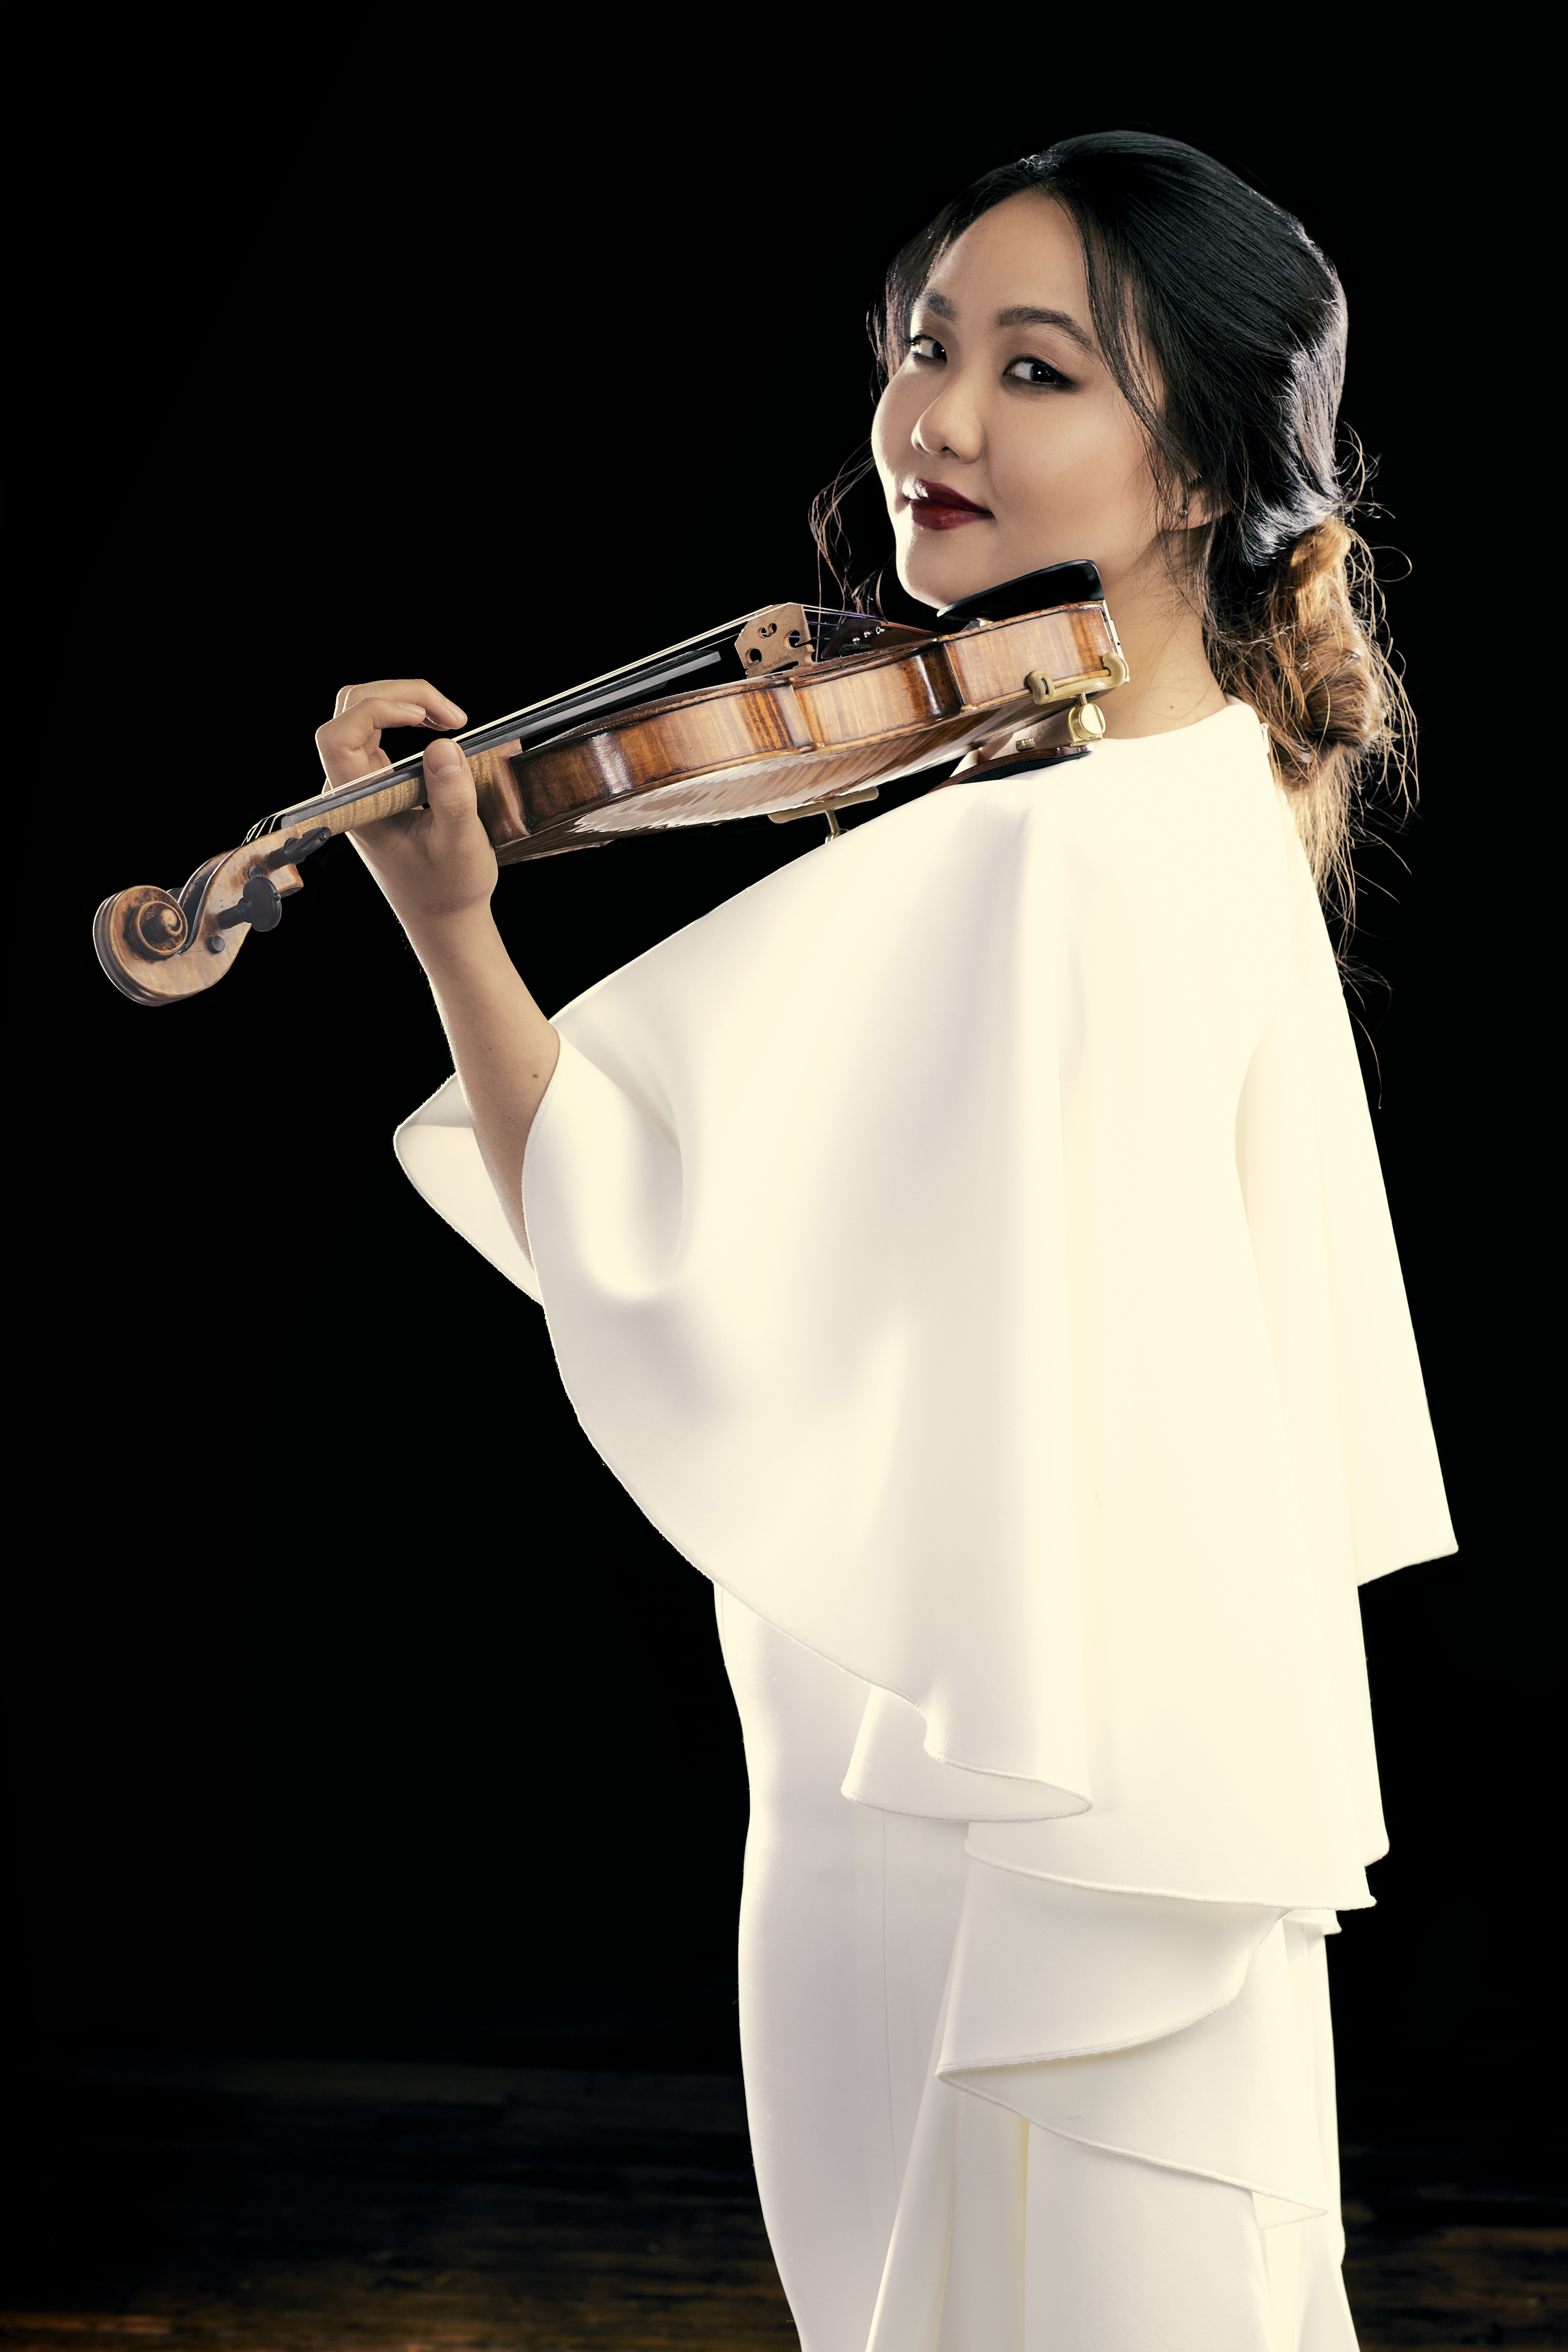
{"type": "Point", "coordinates": [437, 868]}
{"type": "Point", "coordinates": [503, 1048]}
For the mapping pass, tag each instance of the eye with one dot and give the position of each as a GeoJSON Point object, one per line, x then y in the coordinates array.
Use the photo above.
{"type": "Point", "coordinates": [1034, 372]}
{"type": "Point", "coordinates": [933, 355]}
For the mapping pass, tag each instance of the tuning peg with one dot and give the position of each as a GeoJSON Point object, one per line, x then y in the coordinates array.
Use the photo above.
{"type": "Point", "coordinates": [259, 905]}
{"type": "Point", "coordinates": [300, 846]}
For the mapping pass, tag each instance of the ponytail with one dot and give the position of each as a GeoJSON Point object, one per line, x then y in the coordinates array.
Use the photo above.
{"type": "Point", "coordinates": [1305, 654]}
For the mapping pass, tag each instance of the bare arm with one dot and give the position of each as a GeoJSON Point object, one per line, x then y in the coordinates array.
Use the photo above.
{"type": "Point", "coordinates": [437, 871]}
{"type": "Point", "coordinates": [503, 1048]}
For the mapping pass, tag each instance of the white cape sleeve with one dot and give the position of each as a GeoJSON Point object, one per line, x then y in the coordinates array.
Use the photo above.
{"type": "Point", "coordinates": [438, 1152]}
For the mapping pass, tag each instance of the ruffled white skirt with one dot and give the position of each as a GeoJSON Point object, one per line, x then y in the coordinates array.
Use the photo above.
{"type": "Point", "coordinates": [993, 2113]}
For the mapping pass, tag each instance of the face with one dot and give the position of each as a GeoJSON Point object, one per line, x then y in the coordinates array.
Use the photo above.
{"type": "Point", "coordinates": [1004, 407]}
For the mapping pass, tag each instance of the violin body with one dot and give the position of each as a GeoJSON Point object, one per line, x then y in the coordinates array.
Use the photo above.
{"type": "Point", "coordinates": [800, 731]}
{"type": "Point", "coordinates": [799, 740]}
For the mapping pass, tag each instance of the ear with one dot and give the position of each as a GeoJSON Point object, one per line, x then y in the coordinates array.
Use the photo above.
{"type": "Point", "coordinates": [1199, 507]}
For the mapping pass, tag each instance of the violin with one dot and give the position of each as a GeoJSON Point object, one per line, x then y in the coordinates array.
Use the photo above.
{"type": "Point", "coordinates": [792, 711]}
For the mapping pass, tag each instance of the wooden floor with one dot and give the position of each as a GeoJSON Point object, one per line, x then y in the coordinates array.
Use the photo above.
{"type": "Point", "coordinates": [234, 2207]}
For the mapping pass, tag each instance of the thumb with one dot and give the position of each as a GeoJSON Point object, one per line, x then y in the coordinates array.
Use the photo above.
{"type": "Point", "coordinates": [449, 781]}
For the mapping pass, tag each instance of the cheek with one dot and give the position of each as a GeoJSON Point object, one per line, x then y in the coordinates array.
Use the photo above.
{"type": "Point", "coordinates": [1048, 457]}
{"type": "Point", "coordinates": [891, 427]}
{"type": "Point", "coordinates": [1068, 463]}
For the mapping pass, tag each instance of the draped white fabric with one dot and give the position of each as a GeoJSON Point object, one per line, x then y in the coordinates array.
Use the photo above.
{"type": "Point", "coordinates": [900, 2006]}
{"type": "Point", "coordinates": [969, 1247]}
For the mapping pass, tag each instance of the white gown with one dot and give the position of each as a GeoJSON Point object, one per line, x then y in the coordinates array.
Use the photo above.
{"type": "Point", "coordinates": [969, 1248]}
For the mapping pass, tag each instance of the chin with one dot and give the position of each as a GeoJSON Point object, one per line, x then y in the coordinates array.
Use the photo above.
{"type": "Point", "coordinates": [929, 580]}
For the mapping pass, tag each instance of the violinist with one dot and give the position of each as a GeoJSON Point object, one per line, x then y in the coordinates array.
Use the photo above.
{"type": "Point", "coordinates": [968, 1247]}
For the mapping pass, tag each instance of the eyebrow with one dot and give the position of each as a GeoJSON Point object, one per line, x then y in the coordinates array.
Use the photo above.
{"type": "Point", "coordinates": [1019, 314]}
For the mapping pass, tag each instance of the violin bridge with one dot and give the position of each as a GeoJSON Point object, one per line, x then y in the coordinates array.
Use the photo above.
{"type": "Point", "coordinates": [778, 638]}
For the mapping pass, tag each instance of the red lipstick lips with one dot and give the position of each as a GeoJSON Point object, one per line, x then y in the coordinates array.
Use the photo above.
{"type": "Point", "coordinates": [935, 506]}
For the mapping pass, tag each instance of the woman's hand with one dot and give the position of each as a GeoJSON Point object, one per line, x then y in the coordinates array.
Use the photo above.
{"type": "Point", "coordinates": [435, 865]}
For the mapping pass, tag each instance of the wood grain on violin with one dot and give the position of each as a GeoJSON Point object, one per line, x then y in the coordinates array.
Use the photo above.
{"type": "Point", "coordinates": [802, 736]}
{"type": "Point", "coordinates": [842, 702]}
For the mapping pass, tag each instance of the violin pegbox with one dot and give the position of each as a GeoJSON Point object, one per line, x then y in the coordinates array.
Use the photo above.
{"type": "Point", "coordinates": [158, 948]}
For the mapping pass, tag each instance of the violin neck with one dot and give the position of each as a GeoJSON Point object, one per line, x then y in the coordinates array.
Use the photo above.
{"type": "Point", "coordinates": [384, 793]}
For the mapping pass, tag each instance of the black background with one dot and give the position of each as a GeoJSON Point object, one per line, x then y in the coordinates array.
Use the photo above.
{"type": "Point", "coordinates": [354, 1706]}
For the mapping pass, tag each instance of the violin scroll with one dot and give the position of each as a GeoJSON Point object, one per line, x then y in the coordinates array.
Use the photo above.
{"type": "Point", "coordinates": [153, 922]}
{"type": "Point", "coordinates": [158, 948]}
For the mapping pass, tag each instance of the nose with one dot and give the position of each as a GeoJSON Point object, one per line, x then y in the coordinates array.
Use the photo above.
{"type": "Point", "coordinates": [951, 426]}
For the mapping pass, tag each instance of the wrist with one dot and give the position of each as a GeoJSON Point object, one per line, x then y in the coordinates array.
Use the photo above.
{"type": "Point", "coordinates": [457, 941]}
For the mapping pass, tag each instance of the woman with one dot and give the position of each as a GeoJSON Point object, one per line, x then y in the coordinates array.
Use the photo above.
{"type": "Point", "coordinates": [969, 1247]}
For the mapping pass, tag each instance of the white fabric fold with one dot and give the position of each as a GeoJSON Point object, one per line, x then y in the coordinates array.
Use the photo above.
{"type": "Point", "coordinates": [438, 1154]}
{"type": "Point", "coordinates": [1043, 1971]}
{"type": "Point", "coordinates": [1127, 2135]}
{"type": "Point", "coordinates": [892, 1768]}
{"type": "Point", "coordinates": [1231, 2095]}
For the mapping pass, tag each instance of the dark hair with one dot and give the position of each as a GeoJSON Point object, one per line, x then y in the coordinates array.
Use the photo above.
{"type": "Point", "coordinates": [1245, 321]}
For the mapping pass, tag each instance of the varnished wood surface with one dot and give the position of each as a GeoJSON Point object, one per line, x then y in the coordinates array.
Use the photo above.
{"type": "Point", "coordinates": [775, 742]}
{"type": "Point", "coordinates": [268, 2207]}
{"type": "Point", "coordinates": [160, 945]}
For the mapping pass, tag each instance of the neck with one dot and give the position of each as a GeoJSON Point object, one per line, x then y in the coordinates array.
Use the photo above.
{"type": "Point", "coordinates": [1171, 684]}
